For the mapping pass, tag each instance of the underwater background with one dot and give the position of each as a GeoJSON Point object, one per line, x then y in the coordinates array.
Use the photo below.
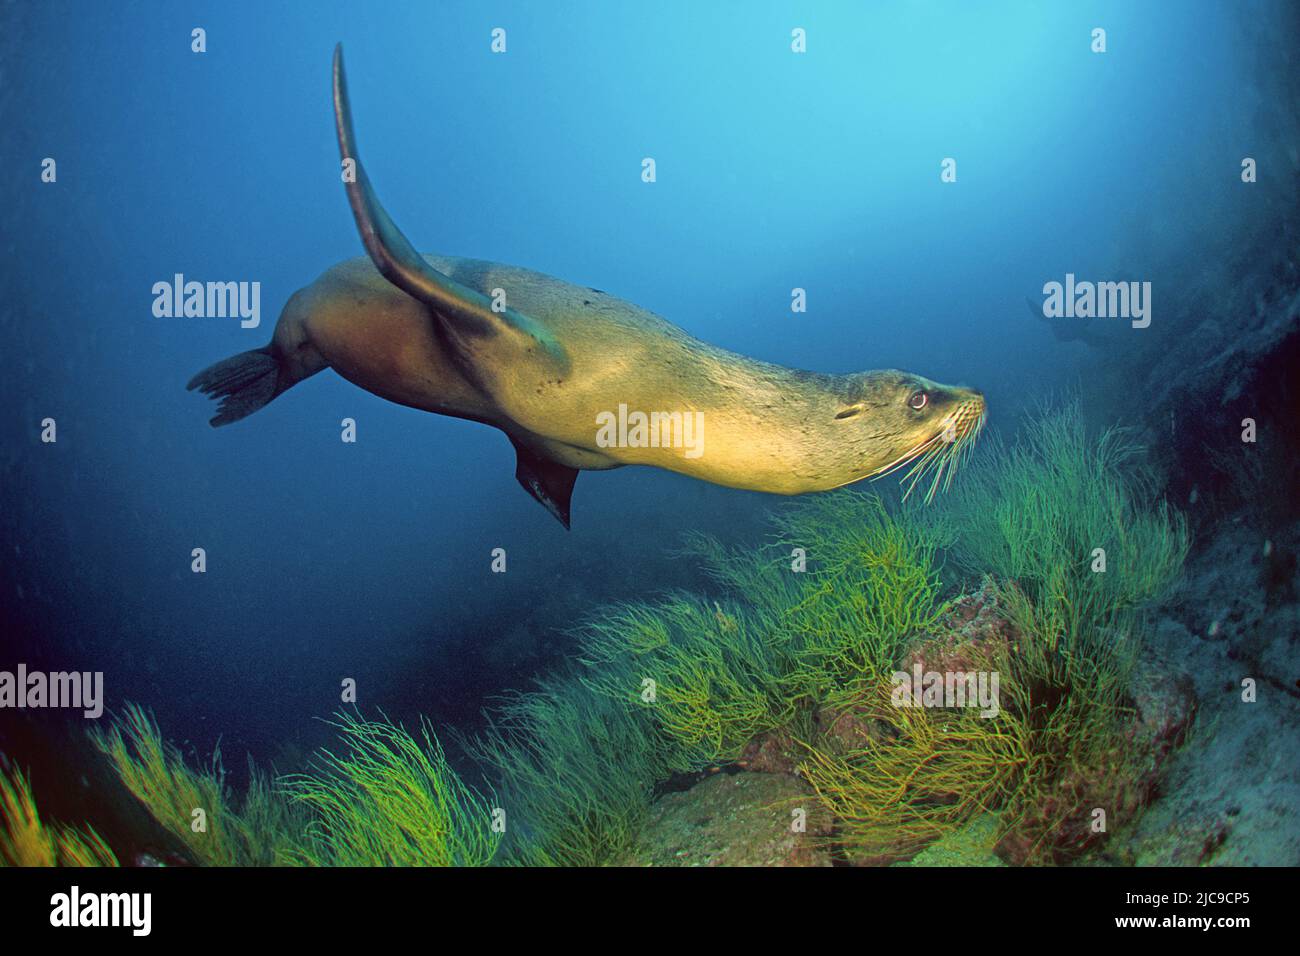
{"type": "Point", "coordinates": [776, 170]}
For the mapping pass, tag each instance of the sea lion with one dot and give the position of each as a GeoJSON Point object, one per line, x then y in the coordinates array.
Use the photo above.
{"type": "Point", "coordinates": [580, 380]}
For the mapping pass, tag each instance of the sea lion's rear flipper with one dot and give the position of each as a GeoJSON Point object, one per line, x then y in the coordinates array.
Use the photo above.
{"type": "Point", "coordinates": [466, 314]}
{"type": "Point", "coordinates": [548, 481]}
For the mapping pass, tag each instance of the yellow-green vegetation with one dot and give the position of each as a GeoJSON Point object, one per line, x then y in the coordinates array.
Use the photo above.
{"type": "Point", "coordinates": [195, 805]}
{"type": "Point", "coordinates": [386, 798]}
{"type": "Point", "coordinates": [390, 799]}
{"type": "Point", "coordinates": [1046, 512]}
{"type": "Point", "coordinates": [871, 588]}
{"type": "Point", "coordinates": [801, 636]}
{"type": "Point", "coordinates": [713, 674]}
{"type": "Point", "coordinates": [781, 645]}
{"type": "Point", "coordinates": [710, 677]}
{"type": "Point", "coordinates": [686, 682]}
{"type": "Point", "coordinates": [913, 775]}
{"type": "Point", "coordinates": [27, 840]}
{"type": "Point", "coordinates": [1067, 524]}
{"type": "Point", "coordinates": [1034, 516]}
{"type": "Point", "coordinates": [576, 770]}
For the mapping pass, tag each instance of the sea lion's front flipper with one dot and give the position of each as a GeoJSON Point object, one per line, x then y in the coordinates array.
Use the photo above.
{"type": "Point", "coordinates": [549, 482]}
{"type": "Point", "coordinates": [467, 314]}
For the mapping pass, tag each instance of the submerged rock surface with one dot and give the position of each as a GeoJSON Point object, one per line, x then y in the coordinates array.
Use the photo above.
{"type": "Point", "coordinates": [735, 819]}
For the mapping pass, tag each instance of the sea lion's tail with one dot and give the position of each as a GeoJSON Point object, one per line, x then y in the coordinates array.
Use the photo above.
{"type": "Point", "coordinates": [242, 383]}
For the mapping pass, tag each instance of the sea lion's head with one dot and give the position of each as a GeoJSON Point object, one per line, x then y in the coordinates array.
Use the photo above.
{"type": "Point", "coordinates": [896, 419]}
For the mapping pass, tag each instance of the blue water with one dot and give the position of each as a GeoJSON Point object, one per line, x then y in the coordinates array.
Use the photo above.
{"type": "Point", "coordinates": [775, 170]}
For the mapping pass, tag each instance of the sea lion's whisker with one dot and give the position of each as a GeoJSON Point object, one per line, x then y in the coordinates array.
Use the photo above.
{"type": "Point", "coordinates": [918, 464]}
{"type": "Point", "coordinates": [904, 459]}
{"type": "Point", "coordinates": [939, 462]}
{"type": "Point", "coordinates": [923, 465]}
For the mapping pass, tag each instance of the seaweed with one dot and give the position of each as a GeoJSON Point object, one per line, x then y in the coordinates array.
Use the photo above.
{"type": "Point", "coordinates": [390, 799]}
{"type": "Point", "coordinates": [27, 840]}
{"type": "Point", "coordinates": [803, 642]}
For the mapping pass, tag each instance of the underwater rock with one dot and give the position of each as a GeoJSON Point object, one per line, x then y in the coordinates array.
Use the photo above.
{"type": "Point", "coordinates": [1277, 575]}
{"type": "Point", "coordinates": [1207, 391]}
{"type": "Point", "coordinates": [972, 845]}
{"type": "Point", "coordinates": [971, 637]}
{"type": "Point", "coordinates": [1120, 784]}
{"type": "Point", "coordinates": [735, 819]}
{"type": "Point", "coordinates": [845, 730]}
{"type": "Point", "coordinates": [1231, 795]}
{"type": "Point", "coordinates": [1240, 596]}
{"type": "Point", "coordinates": [1165, 705]}
{"type": "Point", "coordinates": [974, 636]}
{"type": "Point", "coordinates": [773, 752]}
{"type": "Point", "coordinates": [975, 632]}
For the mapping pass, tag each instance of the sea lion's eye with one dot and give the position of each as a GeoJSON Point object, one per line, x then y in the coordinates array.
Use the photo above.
{"type": "Point", "coordinates": [918, 401]}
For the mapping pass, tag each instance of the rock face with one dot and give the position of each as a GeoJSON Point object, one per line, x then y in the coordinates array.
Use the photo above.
{"type": "Point", "coordinates": [735, 819]}
{"type": "Point", "coordinates": [970, 638]}
{"type": "Point", "coordinates": [773, 752]}
{"type": "Point", "coordinates": [1232, 793]}
{"type": "Point", "coordinates": [972, 845]}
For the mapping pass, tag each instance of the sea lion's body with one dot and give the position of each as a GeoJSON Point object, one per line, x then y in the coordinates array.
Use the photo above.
{"type": "Point", "coordinates": [546, 361]}
{"type": "Point", "coordinates": [758, 418]}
